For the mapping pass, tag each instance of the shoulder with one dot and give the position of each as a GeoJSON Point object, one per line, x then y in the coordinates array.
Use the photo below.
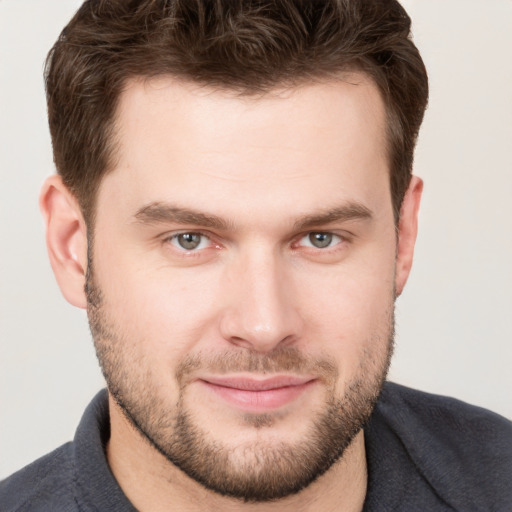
{"type": "Point", "coordinates": [46, 484]}
{"type": "Point", "coordinates": [463, 452]}
{"type": "Point", "coordinates": [446, 417]}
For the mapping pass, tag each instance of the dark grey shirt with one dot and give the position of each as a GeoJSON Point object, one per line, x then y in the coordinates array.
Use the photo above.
{"type": "Point", "coordinates": [425, 453]}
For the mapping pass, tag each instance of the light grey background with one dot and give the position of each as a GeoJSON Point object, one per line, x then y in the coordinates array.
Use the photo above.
{"type": "Point", "coordinates": [454, 319]}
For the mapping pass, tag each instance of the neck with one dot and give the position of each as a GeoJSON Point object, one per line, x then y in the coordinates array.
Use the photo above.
{"type": "Point", "coordinates": [152, 483]}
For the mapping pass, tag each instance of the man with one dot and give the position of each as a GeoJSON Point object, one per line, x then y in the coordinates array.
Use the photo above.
{"type": "Point", "coordinates": [235, 210]}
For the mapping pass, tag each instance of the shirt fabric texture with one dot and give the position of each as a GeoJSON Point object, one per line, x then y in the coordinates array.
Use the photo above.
{"type": "Point", "coordinates": [424, 453]}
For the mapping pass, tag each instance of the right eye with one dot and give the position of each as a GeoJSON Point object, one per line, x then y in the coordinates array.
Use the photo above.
{"type": "Point", "coordinates": [190, 241]}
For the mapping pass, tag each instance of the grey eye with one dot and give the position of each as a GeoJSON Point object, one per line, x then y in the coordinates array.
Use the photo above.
{"type": "Point", "coordinates": [320, 240]}
{"type": "Point", "coordinates": [189, 241]}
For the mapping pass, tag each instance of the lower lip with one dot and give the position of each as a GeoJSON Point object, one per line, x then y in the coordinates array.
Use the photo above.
{"type": "Point", "coordinates": [259, 401]}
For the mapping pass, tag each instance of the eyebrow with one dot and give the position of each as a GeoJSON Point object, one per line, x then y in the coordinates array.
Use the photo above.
{"type": "Point", "coordinates": [158, 212]}
{"type": "Point", "coordinates": [348, 212]}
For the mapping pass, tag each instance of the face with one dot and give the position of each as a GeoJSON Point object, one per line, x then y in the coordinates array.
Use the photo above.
{"type": "Point", "coordinates": [242, 278]}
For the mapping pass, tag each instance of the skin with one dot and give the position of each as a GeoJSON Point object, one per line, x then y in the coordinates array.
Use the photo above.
{"type": "Point", "coordinates": [269, 167]}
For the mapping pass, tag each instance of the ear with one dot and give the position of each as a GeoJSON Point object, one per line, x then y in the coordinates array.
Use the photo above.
{"type": "Point", "coordinates": [66, 239]}
{"type": "Point", "coordinates": [407, 231]}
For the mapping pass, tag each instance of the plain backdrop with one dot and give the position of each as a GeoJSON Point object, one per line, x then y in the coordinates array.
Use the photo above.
{"type": "Point", "coordinates": [454, 321]}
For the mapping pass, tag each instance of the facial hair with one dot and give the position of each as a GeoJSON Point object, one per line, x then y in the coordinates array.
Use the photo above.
{"type": "Point", "coordinates": [261, 471]}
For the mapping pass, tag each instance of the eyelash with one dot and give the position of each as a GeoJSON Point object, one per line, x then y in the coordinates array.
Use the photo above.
{"type": "Point", "coordinates": [332, 236]}
{"type": "Point", "coordinates": [189, 252]}
{"type": "Point", "coordinates": [342, 240]}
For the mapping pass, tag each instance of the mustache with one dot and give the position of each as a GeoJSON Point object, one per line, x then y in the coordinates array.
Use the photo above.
{"type": "Point", "coordinates": [280, 360]}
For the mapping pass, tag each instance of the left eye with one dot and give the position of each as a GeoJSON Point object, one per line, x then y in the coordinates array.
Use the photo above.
{"type": "Point", "coordinates": [190, 241]}
{"type": "Point", "coordinates": [320, 240]}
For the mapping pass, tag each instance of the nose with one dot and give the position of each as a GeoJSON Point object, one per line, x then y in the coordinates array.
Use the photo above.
{"type": "Point", "coordinates": [260, 313]}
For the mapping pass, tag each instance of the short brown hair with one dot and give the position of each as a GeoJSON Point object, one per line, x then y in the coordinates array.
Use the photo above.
{"type": "Point", "coordinates": [248, 46]}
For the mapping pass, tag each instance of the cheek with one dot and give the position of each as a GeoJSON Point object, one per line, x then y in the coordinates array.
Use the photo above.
{"type": "Point", "coordinates": [157, 306]}
{"type": "Point", "coordinates": [351, 312]}
{"type": "Point", "coordinates": [350, 295]}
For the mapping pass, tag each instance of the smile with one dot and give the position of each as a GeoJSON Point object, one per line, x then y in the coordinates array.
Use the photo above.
{"type": "Point", "coordinates": [258, 395]}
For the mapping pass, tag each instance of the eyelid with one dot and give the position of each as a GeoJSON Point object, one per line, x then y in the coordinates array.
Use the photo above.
{"type": "Point", "coordinates": [169, 237]}
{"type": "Point", "coordinates": [344, 238]}
{"type": "Point", "coordinates": [329, 233]}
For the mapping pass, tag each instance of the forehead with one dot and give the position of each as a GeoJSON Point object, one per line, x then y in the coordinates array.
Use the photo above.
{"type": "Point", "coordinates": [200, 144]}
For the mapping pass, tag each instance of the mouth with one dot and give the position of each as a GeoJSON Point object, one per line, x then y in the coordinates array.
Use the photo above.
{"type": "Point", "coordinates": [255, 395]}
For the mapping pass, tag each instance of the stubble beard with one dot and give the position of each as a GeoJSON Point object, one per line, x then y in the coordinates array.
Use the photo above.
{"type": "Point", "coordinates": [261, 471]}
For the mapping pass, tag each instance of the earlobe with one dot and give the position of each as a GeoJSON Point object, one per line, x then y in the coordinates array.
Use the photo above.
{"type": "Point", "coordinates": [407, 231]}
{"type": "Point", "coordinates": [66, 239]}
